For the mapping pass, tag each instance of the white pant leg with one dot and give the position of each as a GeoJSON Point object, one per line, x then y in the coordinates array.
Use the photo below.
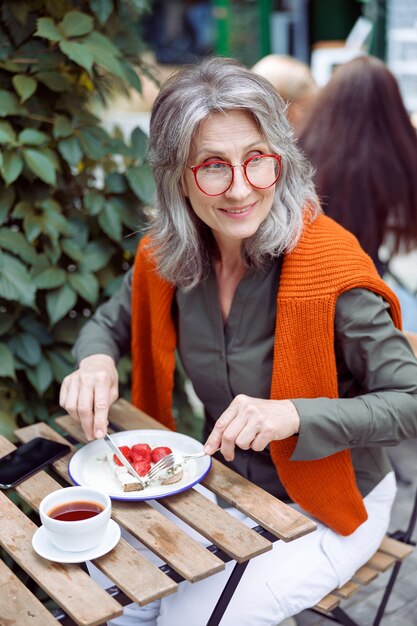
{"type": "Point", "coordinates": [291, 577]}
{"type": "Point", "coordinates": [280, 583]}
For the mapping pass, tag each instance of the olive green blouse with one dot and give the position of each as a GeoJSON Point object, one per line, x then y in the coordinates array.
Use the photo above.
{"type": "Point", "coordinates": [377, 371]}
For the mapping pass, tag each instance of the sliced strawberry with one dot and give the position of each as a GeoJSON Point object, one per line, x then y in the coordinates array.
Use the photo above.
{"type": "Point", "coordinates": [142, 467]}
{"type": "Point", "coordinates": [141, 451]}
{"type": "Point", "coordinates": [125, 450]}
{"type": "Point", "coordinates": [159, 453]}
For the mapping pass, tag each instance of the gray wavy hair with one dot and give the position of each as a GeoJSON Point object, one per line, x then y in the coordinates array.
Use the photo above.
{"type": "Point", "coordinates": [181, 243]}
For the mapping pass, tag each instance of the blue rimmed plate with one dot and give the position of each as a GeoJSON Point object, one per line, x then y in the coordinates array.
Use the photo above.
{"type": "Point", "coordinates": [88, 466]}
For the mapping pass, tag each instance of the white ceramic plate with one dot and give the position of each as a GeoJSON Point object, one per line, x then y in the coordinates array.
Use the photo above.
{"type": "Point", "coordinates": [46, 549]}
{"type": "Point", "coordinates": [89, 468]}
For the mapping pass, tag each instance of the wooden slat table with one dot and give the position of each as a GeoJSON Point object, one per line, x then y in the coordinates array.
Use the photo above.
{"type": "Point", "coordinates": [135, 578]}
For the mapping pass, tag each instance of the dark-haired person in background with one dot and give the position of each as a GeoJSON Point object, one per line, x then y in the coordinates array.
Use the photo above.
{"type": "Point", "coordinates": [363, 147]}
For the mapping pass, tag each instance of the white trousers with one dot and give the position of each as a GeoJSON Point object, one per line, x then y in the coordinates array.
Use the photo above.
{"type": "Point", "coordinates": [278, 584]}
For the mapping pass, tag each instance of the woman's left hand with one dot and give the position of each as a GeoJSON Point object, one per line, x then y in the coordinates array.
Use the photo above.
{"type": "Point", "coordinates": [252, 423]}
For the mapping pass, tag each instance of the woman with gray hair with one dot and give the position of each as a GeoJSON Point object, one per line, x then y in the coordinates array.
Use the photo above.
{"type": "Point", "coordinates": [282, 325]}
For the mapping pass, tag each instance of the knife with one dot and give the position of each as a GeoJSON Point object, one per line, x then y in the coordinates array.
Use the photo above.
{"type": "Point", "coordinates": [124, 461]}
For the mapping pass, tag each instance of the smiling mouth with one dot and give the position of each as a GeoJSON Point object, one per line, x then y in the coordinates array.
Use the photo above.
{"type": "Point", "coordinates": [237, 211]}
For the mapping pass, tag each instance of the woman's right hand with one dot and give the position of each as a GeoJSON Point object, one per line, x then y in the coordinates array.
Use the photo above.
{"type": "Point", "coordinates": [88, 393]}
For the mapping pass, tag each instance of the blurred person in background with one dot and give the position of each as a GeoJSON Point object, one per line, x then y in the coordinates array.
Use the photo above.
{"type": "Point", "coordinates": [363, 147]}
{"type": "Point", "coordinates": [240, 275]}
{"type": "Point", "coordinates": [293, 81]}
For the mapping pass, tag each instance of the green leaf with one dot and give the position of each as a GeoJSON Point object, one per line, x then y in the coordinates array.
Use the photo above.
{"type": "Point", "coordinates": [130, 216]}
{"type": "Point", "coordinates": [113, 286]}
{"type": "Point", "coordinates": [62, 127]}
{"type": "Point", "coordinates": [50, 278]}
{"type": "Point", "coordinates": [41, 165]}
{"type": "Point", "coordinates": [6, 48]}
{"type": "Point", "coordinates": [36, 328]}
{"type": "Point", "coordinates": [17, 243]}
{"type": "Point", "coordinates": [55, 81]}
{"type": "Point", "coordinates": [40, 376]}
{"type": "Point", "coordinates": [93, 201]}
{"type": "Point", "coordinates": [25, 86]}
{"type": "Point", "coordinates": [59, 302]}
{"type": "Point", "coordinates": [60, 366]}
{"type": "Point", "coordinates": [8, 424]}
{"type": "Point", "coordinates": [12, 167]}
{"type": "Point", "coordinates": [132, 76]}
{"type": "Point", "coordinates": [86, 285]}
{"type": "Point", "coordinates": [97, 255]}
{"type": "Point", "coordinates": [7, 197]}
{"type": "Point", "coordinates": [103, 55]}
{"type": "Point", "coordinates": [109, 221]}
{"type": "Point", "coordinates": [102, 9]}
{"type": "Point", "coordinates": [76, 24]}
{"type": "Point", "coordinates": [9, 104]}
{"type": "Point", "coordinates": [92, 143]}
{"type": "Point", "coordinates": [141, 182]}
{"type": "Point", "coordinates": [7, 134]}
{"type": "Point", "coordinates": [115, 183]}
{"type": "Point", "coordinates": [6, 362]}
{"type": "Point", "coordinates": [54, 217]}
{"type": "Point", "coordinates": [22, 209]}
{"type": "Point", "coordinates": [78, 53]}
{"type": "Point", "coordinates": [100, 42]}
{"type": "Point", "coordinates": [72, 249]}
{"type": "Point", "coordinates": [47, 29]}
{"type": "Point", "coordinates": [79, 230]}
{"type": "Point", "coordinates": [32, 137]}
{"type": "Point", "coordinates": [7, 322]}
{"type": "Point", "coordinates": [70, 150]}
{"type": "Point", "coordinates": [50, 205]}
{"type": "Point", "coordinates": [139, 141]}
{"type": "Point", "coordinates": [15, 282]}
{"type": "Point", "coordinates": [26, 347]}
{"type": "Point", "coordinates": [42, 262]}
{"type": "Point", "coordinates": [33, 225]}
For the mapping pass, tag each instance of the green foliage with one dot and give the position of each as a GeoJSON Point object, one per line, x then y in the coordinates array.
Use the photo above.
{"type": "Point", "coordinates": [71, 194]}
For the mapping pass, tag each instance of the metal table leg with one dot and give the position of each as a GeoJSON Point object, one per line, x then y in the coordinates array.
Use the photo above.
{"type": "Point", "coordinates": [227, 594]}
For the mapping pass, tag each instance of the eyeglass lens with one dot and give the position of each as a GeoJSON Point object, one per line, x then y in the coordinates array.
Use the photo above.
{"type": "Point", "coordinates": [261, 171]}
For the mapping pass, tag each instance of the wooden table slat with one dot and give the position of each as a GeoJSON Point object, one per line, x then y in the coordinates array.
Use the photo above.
{"type": "Point", "coordinates": [18, 606]}
{"type": "Point", "coordinates": [78, 595]}
{"type": "Point", "coordinates": [148, 525]}
{"type": "Point", "coordinates": [127, 417]}
{"type": "Point", "coordinates": [281, 520]}
{"type": "Point", "coordinates": [233, 537]}
{"type": "Point", "coordinates": [139, 579]}
{"type": "Point", "coordinates": [73, 428]}
{"type": "Point", "coordinates": [219, 527]}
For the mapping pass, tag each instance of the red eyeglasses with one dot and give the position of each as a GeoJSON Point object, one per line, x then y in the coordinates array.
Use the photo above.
{"type": "Point", "coordinates": [216, 177]}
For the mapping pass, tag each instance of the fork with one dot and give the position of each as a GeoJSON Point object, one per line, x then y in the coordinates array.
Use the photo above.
{"type": "Point", "coordinates": [171, 460]}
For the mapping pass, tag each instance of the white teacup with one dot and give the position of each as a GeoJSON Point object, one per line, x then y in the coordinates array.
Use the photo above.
{"type": "Point", "coordinates": [77, 534]}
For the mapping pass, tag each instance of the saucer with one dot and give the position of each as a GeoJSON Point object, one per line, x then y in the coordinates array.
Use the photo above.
{"type": "Point", "coordinates": [46, 549]}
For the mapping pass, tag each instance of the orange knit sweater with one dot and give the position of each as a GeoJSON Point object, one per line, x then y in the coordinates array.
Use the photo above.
{"type": "Point", "coordinates": [326, 262]}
